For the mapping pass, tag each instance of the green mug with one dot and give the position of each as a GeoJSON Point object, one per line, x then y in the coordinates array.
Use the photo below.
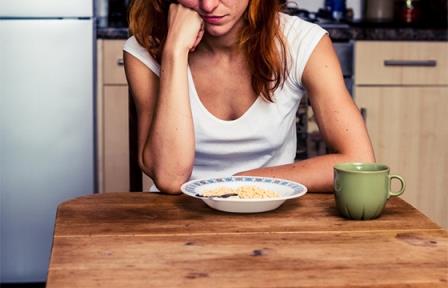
{"type": "Point", "coordinates": [362, 189]}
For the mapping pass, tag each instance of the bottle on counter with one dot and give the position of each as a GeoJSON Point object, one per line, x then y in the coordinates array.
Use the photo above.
{"type": "Point", "coordinates": [409, 11]}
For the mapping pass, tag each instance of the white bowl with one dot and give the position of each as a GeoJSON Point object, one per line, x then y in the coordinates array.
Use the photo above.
{"type": "Point", "coordinates": [284, 188]}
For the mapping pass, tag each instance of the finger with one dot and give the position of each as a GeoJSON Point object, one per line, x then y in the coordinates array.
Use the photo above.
{"type": "Point", "coordinates": [198, 37]}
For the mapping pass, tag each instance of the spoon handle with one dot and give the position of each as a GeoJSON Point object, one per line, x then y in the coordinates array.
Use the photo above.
{"type": "Point", "coordinates": [218, 196]}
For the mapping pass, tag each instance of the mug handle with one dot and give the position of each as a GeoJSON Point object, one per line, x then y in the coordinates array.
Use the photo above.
{"type": "Point", "coordinates": [399, 192]}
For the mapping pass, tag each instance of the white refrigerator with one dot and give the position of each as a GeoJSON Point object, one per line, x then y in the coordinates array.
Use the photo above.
{"type": "Point", "coordinates": [47, 142]}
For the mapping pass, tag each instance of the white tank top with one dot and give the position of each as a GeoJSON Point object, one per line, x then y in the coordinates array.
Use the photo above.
{"type": "Point", "coordinates": [265, 135]}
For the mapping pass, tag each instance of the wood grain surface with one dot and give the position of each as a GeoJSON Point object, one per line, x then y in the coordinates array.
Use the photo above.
{"type": "Point", "coordinates": [152, 213]}
{"type": "Point", "coordinates": [257, 260]}
{"type": "Point", "coordinates": [152, 240]}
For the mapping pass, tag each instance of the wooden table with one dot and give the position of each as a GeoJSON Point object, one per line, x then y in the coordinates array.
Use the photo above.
{"type": "Point", "coordinates": [153, 240]}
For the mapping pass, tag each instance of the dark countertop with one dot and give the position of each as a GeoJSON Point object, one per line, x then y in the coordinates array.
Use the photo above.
{"type": "Point", "coordinates": [112, 33]}
{"type": "Point", "coordinates": [388, 34]}
{"type": "Point", "coordinates": [338, 33]}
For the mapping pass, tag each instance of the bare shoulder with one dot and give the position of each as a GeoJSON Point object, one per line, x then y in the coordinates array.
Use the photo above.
{"type": "Point", "coordinates": [143, 82]}
{"type": "Point", "coordinates": [133, 64]}
{"type": "Point", "coordinates": [323, 69]}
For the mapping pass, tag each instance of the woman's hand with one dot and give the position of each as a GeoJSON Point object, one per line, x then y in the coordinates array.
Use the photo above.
{"type": "Point", "coordinates": [168, 142]}
{"type": "Point", "coordinates": [185, 28]}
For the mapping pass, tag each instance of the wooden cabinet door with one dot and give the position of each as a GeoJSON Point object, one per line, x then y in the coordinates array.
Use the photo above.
{"type": "Point", "coordinates": [408, 129]}
{"type": "Point", "coordinates": [113, 120]}
{"type": "Point", "coordinates": [113, 68]}
{"type": "Point", "coordinates": [115, 139]}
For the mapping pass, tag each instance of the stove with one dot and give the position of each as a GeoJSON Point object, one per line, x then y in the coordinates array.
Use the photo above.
{"type": "Point", "coordinates": [322, 17]}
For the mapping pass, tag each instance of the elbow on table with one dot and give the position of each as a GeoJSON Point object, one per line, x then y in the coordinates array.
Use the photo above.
{"type": "Point", "coordinates": [359, 152]}
{"type": "Point", "coordinates": [367, 157]}
{"type": "Point", "coordinates": [171, 183]}
{"type": "Point", "coordinates": [165, 179]}
{"type": "Point", "coordinates": [370, 158]}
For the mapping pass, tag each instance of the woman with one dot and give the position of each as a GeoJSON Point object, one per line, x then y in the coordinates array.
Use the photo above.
{"type": "Point", "coordinates": [217, 84]}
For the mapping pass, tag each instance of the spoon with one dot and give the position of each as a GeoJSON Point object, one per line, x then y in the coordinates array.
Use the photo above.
{"type": "Point", "coordinates": [218, 196]}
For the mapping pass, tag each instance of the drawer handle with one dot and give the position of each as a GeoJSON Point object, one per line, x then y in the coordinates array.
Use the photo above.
{"type": "Point", "coordinates": [120, 62]}
{"type": "Point", "coordinates": [411, 63]}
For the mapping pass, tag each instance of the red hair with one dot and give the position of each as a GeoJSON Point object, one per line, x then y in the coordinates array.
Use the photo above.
{"type": "Point", "coordinates": [261, 39]}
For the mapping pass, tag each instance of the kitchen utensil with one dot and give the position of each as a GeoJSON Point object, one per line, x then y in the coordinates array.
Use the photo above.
{"type": "Point", "coordinates": [379, 10]}
{"type": "Point", "coordinates": [218, 196]}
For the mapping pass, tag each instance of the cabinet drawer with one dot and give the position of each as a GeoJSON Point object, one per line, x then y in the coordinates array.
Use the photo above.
{"type": "Point", "coordinates": [401, 63]}
{"type": "Point", "coordinates": [113, 62]}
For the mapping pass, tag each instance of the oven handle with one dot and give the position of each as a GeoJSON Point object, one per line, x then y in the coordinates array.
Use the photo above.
{"type": "Point", "coordinates": [410, 63]}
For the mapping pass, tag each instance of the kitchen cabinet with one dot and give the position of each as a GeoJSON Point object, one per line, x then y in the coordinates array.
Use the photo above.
{"type": "Point", "coordinates": [404, 88]}
{"type": "Point", "coordinates": [113, 120]}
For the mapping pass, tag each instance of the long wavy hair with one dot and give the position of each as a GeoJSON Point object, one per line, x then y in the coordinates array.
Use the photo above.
{"type": "Point", "coordinates": [261, 39]}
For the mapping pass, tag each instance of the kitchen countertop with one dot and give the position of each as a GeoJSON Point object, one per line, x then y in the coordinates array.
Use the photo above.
{"type": "Point", "coordinates": [342, 32]}
{"type": "Point", "coordinates": [388, 34]}
{"type": "Point", "coordinates": [112, 33]}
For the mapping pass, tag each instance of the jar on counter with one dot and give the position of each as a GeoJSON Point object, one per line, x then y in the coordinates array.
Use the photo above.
{"type": "Point", "coordinates": [379, 10]}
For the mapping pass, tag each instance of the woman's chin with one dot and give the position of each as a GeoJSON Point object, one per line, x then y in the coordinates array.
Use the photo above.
{"type": "Point", "coordinates": [216, 31]}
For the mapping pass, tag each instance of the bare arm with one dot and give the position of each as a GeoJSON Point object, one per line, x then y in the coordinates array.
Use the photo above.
{"type": "Point", "coordinates": [338, 119]}
{"type": "Point", "coordinates": [166, 135]}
